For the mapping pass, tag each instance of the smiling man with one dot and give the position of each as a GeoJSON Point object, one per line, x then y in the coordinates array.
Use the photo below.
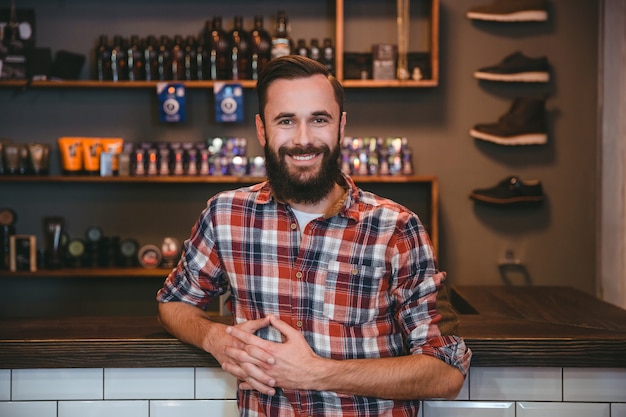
{"type": "Point", "coordinates": [334, 289]}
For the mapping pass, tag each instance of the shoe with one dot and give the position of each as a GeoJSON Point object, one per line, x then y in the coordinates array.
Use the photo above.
{"type": "Point", "coordinates": [517, 68]}
{"type": "Point", "coordinates": [523, 124]}
{"type": "Point", "coordinates": [510, 191]}
{"type": "Point", "coordinates": [511, 11]}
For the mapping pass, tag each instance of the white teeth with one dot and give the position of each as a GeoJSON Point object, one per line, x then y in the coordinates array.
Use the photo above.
{"type": "Point", "coordinates": [303, 157]}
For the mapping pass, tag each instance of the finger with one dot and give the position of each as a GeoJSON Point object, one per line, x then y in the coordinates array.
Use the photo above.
{"type": "Point", "coordinates": [284, 328]}
{"type": "Point", "coordinates": [254, 385]}
{"type": "Point", "coordinates": [249, 354]}
{"type": "Point", "coordinates": [251, 326]}
{"type": "Point", "coordinates": [248, 338]}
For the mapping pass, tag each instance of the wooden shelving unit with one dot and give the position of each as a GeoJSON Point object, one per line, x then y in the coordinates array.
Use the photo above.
{"type": "Point", "coordinates": [340, 29]}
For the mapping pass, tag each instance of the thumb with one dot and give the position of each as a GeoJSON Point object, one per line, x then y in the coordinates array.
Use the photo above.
{"type": "Point", "coordinates": [284, 328]}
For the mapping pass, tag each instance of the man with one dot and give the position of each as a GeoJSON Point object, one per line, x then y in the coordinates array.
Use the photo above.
{"type": "Point", "coordinates": [333, 288]}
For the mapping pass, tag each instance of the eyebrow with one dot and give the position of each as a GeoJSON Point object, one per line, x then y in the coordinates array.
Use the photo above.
{"type": "Point", "coordinates": [315, 113]}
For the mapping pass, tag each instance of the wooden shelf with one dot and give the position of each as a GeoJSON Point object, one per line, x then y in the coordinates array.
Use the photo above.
{"type": "Point", "coordinates": [225, 179]}
{"type": "Point", "coordinates": [90, 273]}
{"type": "Point", "coordinates": [340, 6]}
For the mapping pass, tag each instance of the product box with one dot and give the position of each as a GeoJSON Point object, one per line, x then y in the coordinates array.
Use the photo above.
{"type": "Point", "coordinates": [384, 61]}
{"type": "Point", "coordinates": [18, 40]}
{"type": "Point", "coordinates": [228, 102]}
{"type": "Point", "coordinates": [171, 102]}
{"type": "Point", "coordinates": [23, 253]}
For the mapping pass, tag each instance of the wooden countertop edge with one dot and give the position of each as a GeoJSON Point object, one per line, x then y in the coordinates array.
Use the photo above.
{"type": "Point", "coordinates": [153, 352]}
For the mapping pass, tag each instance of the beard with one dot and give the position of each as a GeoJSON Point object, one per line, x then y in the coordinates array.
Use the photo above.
{"type": "Point", "coordinates": [302, 185]}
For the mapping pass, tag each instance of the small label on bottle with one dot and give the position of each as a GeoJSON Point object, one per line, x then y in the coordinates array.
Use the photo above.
{"type": "Point", "coordinates": [171, 102]}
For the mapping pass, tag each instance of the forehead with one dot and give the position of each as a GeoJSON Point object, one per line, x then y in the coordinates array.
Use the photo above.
{"type": "Point", "coordinates": [292, 95]}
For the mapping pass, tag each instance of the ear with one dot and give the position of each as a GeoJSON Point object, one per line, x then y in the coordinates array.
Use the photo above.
{"type": "Point", "coordinates": [342, 124]}
{"type": "Point", "coordinates": [260, 130]}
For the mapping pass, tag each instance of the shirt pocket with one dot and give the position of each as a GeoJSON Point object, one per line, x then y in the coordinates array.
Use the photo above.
{"type": "Point", "coordinates": [352, 292]}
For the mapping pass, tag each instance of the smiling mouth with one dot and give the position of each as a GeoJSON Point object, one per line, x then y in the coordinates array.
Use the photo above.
{"type": "Point", "coordinates": [306, 157]}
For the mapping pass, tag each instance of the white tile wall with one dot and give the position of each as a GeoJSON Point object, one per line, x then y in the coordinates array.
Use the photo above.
{"type": "Point", "coordinates": [532, 409]}
{"type": "Point", "coordinates": [468, 409]}
{"type": "Point", "coordinates": [148, 383]}
{"type": "Point", "coordinates": [103, 408]}
{"type": "Point", "coordinates": [56, 384]}
{"type": "Point", "coordinates": [592, 384]}
{"type": "Point", "coordinates": [185, 408]}
{"type": "Point", "coordinates": [5, 385]}
{"type": "Point", "coordinates": [514, 384]}
{"type": "Point", "coordinates": [28, 409]}
{"type": "Point", "coordinates": [618, 410]}
{"type": "Point", "coordinates": [215, 383]}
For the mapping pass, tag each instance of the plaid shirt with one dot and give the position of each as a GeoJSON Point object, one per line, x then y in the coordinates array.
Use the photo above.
{"type": "Point", "coordinates": [358, 283]}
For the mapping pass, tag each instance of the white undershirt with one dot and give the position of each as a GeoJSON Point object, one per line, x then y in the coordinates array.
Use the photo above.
{"type": "Point", "coordinates": [304, 218]}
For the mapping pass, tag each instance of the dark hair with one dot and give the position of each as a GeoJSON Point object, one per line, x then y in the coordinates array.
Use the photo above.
{"type": "Point", "coordinates": [292, 67]}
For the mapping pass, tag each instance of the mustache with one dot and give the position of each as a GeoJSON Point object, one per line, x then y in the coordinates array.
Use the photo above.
{"type": "Point", "coordinates": [302, 150]}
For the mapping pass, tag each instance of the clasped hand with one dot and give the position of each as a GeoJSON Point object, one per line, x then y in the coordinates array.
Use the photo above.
{"type": "Point", "coordinates": [263, 365]}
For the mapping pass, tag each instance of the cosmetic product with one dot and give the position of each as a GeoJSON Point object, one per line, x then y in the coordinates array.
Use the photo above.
{"type": "Point", "coordinates": [92, 148]}
{"type": "Point", "coordinates": [16, 159]}
{"type": "Point", "coordinates": [128, 251]}
{"type": "Point", "coordinates": [23, 253]}
{"type": "Point", "coordinates": [71, 155]}
{"type": "Point", "coordinates": [53, 232]}
{"type": "Point", "coordinates": [76, 253]}
{"type": "Point", "coordinates": [7, 229]}
{"type": "Point", "coordinates": [149, 256]}
{"type": "Point", "coordinates": [39, 157]}
{"type": "Point", "coordinates": [113, 146]}
{"type": "Point", "coordinates": [170, 252]}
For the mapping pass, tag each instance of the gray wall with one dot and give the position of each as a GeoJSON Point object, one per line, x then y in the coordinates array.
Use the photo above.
{"type": "Point", "coordinates": [556, 242]}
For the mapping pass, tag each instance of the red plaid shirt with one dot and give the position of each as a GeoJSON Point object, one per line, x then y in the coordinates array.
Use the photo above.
{"type": "Point", "coordinates": [358, 283]}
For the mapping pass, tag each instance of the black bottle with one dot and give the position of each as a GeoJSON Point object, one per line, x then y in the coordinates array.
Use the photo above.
{"type": "Point", "coordinates": [103, 59]}
{"type": "Point", "coordinates": [260, 47]}
{"type": "Point", "coordinates": [281, 42]}
{"type": "Point", "coordinates": [119, 63]}
{"type": "Point", "coordinates": [151, 58]}
{"type": "Point", "coordinates": [164, 59]}
{"type": "Point", "coordinates": [190, 60]}
{"type": "Point", "coordinates": [134, 58]}
{"type": "Point", "coordinates": [301, 48]}
{"type": "Point", "coordinates": [178, 59]}
{"type": "Point", "coordinates": [239, 42]}
{"type": "Point", "coordinates": [315, 52]}
{"type": "Point", "coordinates": [217, 44]}
{"type": "Point", "coordinates": [328, 55]}
{"type": "Point", "coordinates": [202, 61]}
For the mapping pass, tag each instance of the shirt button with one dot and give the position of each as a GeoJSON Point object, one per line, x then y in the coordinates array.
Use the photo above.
{"type": "Point", "coordinates": [299, 324]}
{"type": "Point", "coordinates": [298, 274]}
{"type": "Point", "coordinates": [294, 226]}
{"type": "Point", "coordinates": [354, 271]}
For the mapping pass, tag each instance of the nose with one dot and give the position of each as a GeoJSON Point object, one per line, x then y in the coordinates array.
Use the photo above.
{"type": "Point", "coordinates": [303, 136]}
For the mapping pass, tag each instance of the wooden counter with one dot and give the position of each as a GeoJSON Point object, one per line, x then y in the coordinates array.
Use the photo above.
{"type": "Point", "coordinates": [504, 326]}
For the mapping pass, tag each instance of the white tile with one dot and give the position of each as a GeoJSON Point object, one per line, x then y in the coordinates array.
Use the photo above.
{"type": "Point", "coordinates": [185, 408]}
{"type": "Point", "coordinates": [541, 409]}
{"type": "Point", "coordinates": [215, 383]}
{"type": "Point", "coordinates": [56, 384]}
{"type": "Point", "coordinates": [618, 410]}
{"type": "Point", "coordinates": [464, 394]}
{"type": "Point", "coordinates": [516, 384]}
{"type": "Point", "coordinates": [148, 383]}
{"type": "Point", "coordinates": [28, 409]}
{"type": "Point", "coordinates": [5, 384]}
{"type": "Point", "coordinates": [103, 408]}
{"type": "Point", "coordinates": [594, 384]}
{"type": "Point", "coordinates": [468, 409]}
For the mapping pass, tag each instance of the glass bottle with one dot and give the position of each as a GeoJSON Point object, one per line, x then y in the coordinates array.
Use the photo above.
{"type": "Point", "coordinates": [219, 51]}
{"type": "Point", "coordinates": [150, 58]}
{"type": "Point", "coordinates": [260, 47]}
{"type": "Point", "coordinates": [239, 41]}
{"type": "Point", "coordinates": [301, 48]}
{"type": "Point", "coordinates": [103, 59]}
{"type": "Point", "coordinates": [202, 60]}
{"type": "Point", "coordinates": [178, 58]}
{"type": "Point", "coordinates": [314, 52]}
{"type": "Point", "coordinates": [164, 59]}
{"type": "Point", "coordinates": [328, 55]}
{"type": "Point", "coordinates": [119, 61]}
{"type": "Point", "coordinates": [191, 49]}
{"type": "Point", "coordinates": [281, 43]}
{"type": "Point", "coordinates": [135, 60]}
